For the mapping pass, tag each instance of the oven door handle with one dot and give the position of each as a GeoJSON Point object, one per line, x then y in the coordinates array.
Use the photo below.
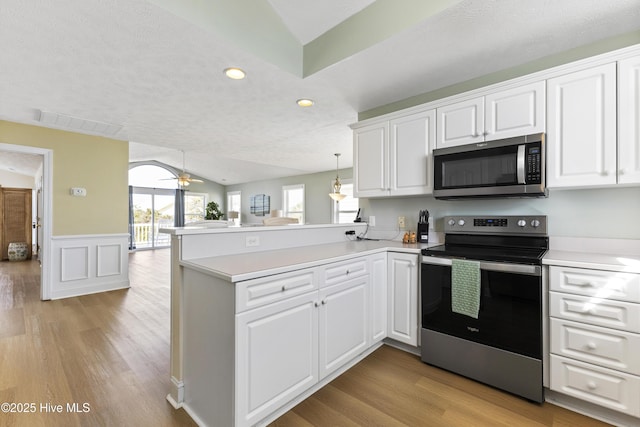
{"type": "Point", "coordinates": [532, 270]}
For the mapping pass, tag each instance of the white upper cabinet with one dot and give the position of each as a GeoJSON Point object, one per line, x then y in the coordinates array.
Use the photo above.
{"type": "Point", "coordinates": [370, 160]}
{"type": "Point", "coordinates": [504, 114]}
{"type": "Point", "coordinates": [411, 141]}
{"type": "Point", "coordinates": [461, 123]}
{"type": "Point", "coordinates": [629, 121]}
{"type": "Point", "coordinates": [581, 137]}
{"type": "Point", "coordinates": [393, 158]}
{"type": "Point", "coordinates": [515, 112]}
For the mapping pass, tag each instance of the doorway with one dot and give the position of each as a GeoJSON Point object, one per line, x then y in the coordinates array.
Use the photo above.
{"type": "Point", "coordinates": [43, 180]}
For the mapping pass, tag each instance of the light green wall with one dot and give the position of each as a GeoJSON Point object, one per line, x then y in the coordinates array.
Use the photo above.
{"type": "Point", "coordinates": [598, 213]}
{"type": "Point", "coordinates": [582, 52]}
{"type": "Point", "coordinates": [317, 189]}
{"type": "Point", "coordinates": [98, 164]}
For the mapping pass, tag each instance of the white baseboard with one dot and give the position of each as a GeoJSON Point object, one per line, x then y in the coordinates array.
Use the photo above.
{"type": "Point", "coordinates": [176, 393]}
{"type": "Point", "coordinates": [88, 264]}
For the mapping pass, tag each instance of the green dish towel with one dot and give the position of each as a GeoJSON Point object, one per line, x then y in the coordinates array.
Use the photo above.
{"type": "Point", "coordinates": [465, 287]}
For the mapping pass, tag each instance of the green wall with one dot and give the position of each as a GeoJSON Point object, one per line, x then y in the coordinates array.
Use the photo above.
{"type": "Point", "coordinates": [317, 201]}
{"type": "Point", "coordinates": [98, 164]}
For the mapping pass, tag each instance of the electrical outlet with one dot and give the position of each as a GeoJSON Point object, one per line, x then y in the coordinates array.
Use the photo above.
{"type": "Point", "coordinates": [252, 241]}
{"type": "Point", "coordinates": [401, 222]}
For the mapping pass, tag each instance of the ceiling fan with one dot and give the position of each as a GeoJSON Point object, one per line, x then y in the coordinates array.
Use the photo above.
{"type": "Point", "coordinates": [184, 179]}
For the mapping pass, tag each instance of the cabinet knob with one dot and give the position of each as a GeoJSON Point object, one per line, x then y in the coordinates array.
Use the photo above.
{"type": "Point", "coordinates": [592, 385]}
{"type": "Point", "coordinates": [347, 272]}
{"type": "Point", "coordinates": [284, 288]}
{"type": "Point", "coordinates": [591, 345]}
{"type": "Point", "coordinates": [315, 304]}
{"type": "Point", "coordinates": [324, 301]}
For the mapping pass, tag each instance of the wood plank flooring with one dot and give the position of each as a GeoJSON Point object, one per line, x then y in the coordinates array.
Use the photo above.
{"type": "Point", "coordinates": [111, 351]}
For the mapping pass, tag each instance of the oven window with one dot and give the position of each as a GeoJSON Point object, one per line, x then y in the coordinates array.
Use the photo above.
{"type": "Point", "coordinates": [510, 316]}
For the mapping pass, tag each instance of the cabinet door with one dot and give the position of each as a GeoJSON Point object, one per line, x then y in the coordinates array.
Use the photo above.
{"type": "Point", "coordinates": [629, 121]}
{"type": "Point", "coordinates": [403, 297]}
{"type": "Point", "coordinates": [276, 355]}
{"type": "Point", "coordinates": [461, 123]}
{"type": "Point", "coordinates": [411, 141]}
{"type": "Point", "coordinates": [581, 143]}
{"type": "Point", "coordinates": [344, 318]}
{"type": "Point", "coordinates": [515, 112]}
{"type": "Point", "coordinates": [378, 296]}
{"type": "Point", "coordinates": [370, 166]}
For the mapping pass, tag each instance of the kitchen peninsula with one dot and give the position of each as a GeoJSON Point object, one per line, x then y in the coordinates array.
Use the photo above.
{"type": "Point", "coordinates": [262, 317]}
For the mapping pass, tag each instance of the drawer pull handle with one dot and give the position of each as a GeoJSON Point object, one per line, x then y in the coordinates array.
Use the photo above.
{"type": "Point", "coordinates": [347, 272]}
{"type": "Point", "coordinates": [577, 282]}
{"type": "Point", "coordinates": [591, 385]}
{"type": "Point", "coordinates": [591, 346]}
{"type": "Point", "coordinates": [284, 288]}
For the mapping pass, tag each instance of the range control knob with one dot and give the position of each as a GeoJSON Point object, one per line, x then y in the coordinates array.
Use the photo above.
{"type": "Point", "coordinates": [451, 222]}
{"type": "Point", "coordinates": [535, 223]}
{"type": "Point", "coordinates": [461, 222]}
{"type": "Point", "coordinates": [522, 223]}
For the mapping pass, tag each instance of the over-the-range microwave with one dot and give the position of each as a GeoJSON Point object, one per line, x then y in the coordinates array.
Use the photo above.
{"type": "Point", "coordinates": [513, 167]}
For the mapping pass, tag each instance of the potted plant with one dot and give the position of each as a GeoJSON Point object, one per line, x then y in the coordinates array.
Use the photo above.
{"type": "Point", "coordinates": [213, 212]}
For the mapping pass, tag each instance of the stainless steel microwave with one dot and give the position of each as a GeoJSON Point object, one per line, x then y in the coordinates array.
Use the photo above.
{"type": "Point", "coordinates": [513, 167]}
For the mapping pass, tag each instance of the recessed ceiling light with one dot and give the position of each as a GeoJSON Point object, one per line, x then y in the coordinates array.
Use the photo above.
{"type": "Point", "coordinates": [305, 102]}
{"type": "Point", "coordinates": [235, 73]}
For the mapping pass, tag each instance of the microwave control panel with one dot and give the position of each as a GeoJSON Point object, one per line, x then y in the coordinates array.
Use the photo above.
{"type": "Point", "coordinates": [534, 164]}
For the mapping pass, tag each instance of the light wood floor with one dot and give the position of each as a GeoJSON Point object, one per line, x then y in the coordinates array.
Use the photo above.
{"type": "Point", "coordinates": [111, 351]}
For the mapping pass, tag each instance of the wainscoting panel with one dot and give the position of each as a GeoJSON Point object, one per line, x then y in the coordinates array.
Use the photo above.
{"type": "Point", "coordinates": [88, 264]}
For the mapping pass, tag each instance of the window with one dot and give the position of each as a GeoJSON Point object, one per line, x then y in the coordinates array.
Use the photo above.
{"type": "Point", "coordinates": [346, 210]}
{"type": "Point", "coordinates": [194, 207]}
{"type": "Point", "coordinates": [234, 203]}
{"type": "Point", "coordinates": [293, 201]}
{"type": "Point", "coordinates": [152, 205]}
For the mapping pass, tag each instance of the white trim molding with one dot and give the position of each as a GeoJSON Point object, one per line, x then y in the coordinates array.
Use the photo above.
{"type": "Point", "coordinates": [88, 264]}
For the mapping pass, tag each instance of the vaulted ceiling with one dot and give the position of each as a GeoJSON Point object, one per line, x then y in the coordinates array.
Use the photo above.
{"type": "Point", "coordinates": [154, 68]}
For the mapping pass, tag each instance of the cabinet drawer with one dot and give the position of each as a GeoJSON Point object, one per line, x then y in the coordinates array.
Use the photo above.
{"type": "Point", "coordinates": [605, 347]}
{"type": "Point", "coordinates": [605, 387]}
{"type": "Point", "coordinates": [338, 272]}
{"type": "Point", "coordinates": [600, 283]}
{"type": "Point", "coordinates": [265, 290]}
{"type": "Point", "coordinates": [596, 311]}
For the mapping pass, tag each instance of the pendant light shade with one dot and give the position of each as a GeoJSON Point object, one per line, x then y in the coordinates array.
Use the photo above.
{"type": "Point", "coordinates": [336, 195]}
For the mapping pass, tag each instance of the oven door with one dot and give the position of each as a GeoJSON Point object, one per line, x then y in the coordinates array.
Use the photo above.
{"type": "Point", "coordinates": [510, 316]}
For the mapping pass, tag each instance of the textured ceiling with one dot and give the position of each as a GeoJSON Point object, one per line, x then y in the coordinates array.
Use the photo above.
{"type": "Point", "coordinates": [135, 64]}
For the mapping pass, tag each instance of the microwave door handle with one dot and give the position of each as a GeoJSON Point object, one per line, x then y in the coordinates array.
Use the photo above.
{"type": "Point", "coordinates": [521, 165]}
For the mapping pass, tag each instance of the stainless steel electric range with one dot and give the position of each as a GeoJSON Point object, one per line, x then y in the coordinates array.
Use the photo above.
{"type": "Point", "coordinates": [482, 301]}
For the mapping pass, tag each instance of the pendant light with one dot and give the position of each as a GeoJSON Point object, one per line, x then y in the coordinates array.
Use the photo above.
{"type": "Point", "coordinates": [336, 195]}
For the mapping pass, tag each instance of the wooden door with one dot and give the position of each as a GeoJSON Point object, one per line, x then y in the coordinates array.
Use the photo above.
{"type": "Point", "coordinates": [15, 218]}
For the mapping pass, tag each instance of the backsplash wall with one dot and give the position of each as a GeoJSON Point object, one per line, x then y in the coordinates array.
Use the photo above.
{"type": "Point", "coordinates": [597, 213]}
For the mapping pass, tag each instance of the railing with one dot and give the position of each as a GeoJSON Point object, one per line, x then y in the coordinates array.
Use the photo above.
{"type": "Point", "coordinates": [147, 236]}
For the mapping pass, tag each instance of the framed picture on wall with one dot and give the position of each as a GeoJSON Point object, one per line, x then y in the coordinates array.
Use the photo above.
{"type": "Point", "coordinates": [259, 204]}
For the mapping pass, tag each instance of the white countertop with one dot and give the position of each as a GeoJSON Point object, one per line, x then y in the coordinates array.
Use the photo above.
{"type": "Point", "coordinates": [236, 268]}
{"type": "Point", "coordinates": [600, 261]}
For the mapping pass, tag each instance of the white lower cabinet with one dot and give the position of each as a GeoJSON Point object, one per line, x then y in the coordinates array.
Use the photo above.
{"type": "Point", "coordinates": [594, 337]}
{"type": "Point", "coordinates": [253, 348]}
{"type": "Point", "coordinates": [378, 297]}
{"type": "Point", "coordinates": [344, 320]}
{"type": "Point", "coordinates": [277, 355]}
{"type": "Point", "coordinates": [402, 282]}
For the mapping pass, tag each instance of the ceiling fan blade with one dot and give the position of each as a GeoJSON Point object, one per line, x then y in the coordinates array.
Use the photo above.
{"type": "Point", "coordinates": [195, 180]}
